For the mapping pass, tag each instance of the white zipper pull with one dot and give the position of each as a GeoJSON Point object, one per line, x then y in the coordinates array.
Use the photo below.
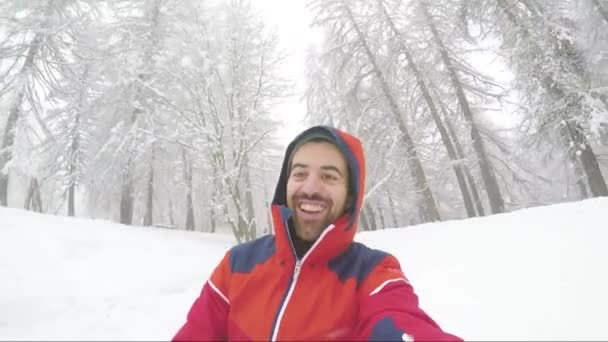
{"type": "Point", "coordinates": [296, 270]}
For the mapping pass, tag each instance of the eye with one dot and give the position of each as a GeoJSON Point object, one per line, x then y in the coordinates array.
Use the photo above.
{"type": "Point", "coordinates": [299, 174]}
{"type": "Point", "coordinates": [330, 177]}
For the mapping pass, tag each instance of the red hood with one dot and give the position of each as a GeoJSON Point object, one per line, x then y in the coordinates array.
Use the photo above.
{"type": "Point", "coordinates": [345, 227]}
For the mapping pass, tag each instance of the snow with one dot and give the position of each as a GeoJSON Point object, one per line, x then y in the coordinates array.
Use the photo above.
{"type": "Point", "coordinates": [534, 274]}
{"type": "Point", "coordinates": [82, 279]}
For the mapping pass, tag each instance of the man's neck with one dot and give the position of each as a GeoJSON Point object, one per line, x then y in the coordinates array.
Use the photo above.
{"type": "Point", "coordinates": [300, 246]}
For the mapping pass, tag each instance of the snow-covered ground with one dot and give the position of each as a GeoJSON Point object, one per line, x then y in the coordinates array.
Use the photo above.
{"type": "Point", "coordinates": [535, 274]}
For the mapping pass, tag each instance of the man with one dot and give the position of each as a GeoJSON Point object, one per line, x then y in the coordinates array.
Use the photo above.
{"type": "Point", "coordinates": [310, 281]}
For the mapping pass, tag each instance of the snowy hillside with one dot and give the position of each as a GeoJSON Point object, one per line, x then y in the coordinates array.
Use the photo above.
{"type": "Point", "coordinates": [533, 274]}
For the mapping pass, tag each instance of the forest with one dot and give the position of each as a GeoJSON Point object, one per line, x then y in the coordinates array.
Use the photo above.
{"type": "Point", "coordinates": [162, 112]}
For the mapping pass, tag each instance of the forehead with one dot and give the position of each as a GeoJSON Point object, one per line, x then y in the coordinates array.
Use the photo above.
{"type": "Point", "coordinates": [319, 154]}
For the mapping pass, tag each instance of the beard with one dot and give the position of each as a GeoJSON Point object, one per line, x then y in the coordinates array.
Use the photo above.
{"type": "Point", "coordinates": [310, 229]}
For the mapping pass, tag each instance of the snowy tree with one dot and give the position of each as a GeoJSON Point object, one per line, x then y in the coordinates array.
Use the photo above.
{"type": "Point", "coordinates": [243, 89]}
{"type": "Point", "coordinates": [349, 31]}
{"type": "Point", "coordinates": [32, 62]}
{"type": "Point", "coordinates": [450, 62]}
{"type": "Point", "coordinates": [215, 80]}
{"type": "Point", "coordinates": [68, 119]}
{"type": "Point", "coordinates": [406, 46]}
{"type": "Point", "coordinates": [556, 78]}
{"type": "Point", "coordinates": [133, 108]}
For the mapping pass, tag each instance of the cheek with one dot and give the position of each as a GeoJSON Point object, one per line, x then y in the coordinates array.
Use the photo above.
{"type": "Point", "coordinates": [343, 199]}
{"type": "Point", "coordinates": [339, 197]}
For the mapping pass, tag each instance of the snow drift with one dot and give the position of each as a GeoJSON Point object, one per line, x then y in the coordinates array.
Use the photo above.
{"type": "Point", "coordinates": [534, 274]}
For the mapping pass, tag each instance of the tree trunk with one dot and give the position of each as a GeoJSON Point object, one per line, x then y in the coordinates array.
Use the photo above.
{"type": "Point", "coordinates": [580, 178]}
{"type": "Point", "coordinates": [190, 212]}
{"type": "Point", "coordinates": [214, 154]}
{"type": "Point", "coordinates": [6, 153]}
{"type": "Point", "coordinates": [126, 196]}
{"type": "Point", "coordinates": [71, 208]}
{"type": "Point", "coordinates": [72, 169]}
{"type": "Point", "coordinates": [381, 217]}
{"type": "Point", "coordinates": [126, 200]}
{"type": "Point", "coordinates": [127, 189]}
{"type": "Point", "coordinates": [468, 203]}
{"type": "Point", "coordinates": [469, 177]}
{"type": "Point", "coordinates": [577, 169]}
{"type": "Point", "coordinates": [365, 225]}
{"type": "Point", "coordinates": [8, 139]}
{"type": "Point", "coordinates": [428, 207]}
{"type": "Point", "coordinates": [391, 204]}
{"type": "Point", "coordinates": [371, 217]}
{"type": "Point", "coordinates": [6, 150]}
{"type": "Point", "coordinates": [189, 192]}
{"type": "Point", "coordinates": [171, 216]}
{"type": "Point", "coordinates": [267, 207]}
{"type": "Point", "coordinates": [217, 196]}
{"type": "Point", "coordinates": [149, 215]}
{"type": "Point", "coordinates": [33, 200]}
{"type": "Point", "coordinates": [474, 191]}
{"type": "Point", "coordinates": [597, 183]}
{"type": "Point", "coordinates": [591, 168]}
{"type": "Point", "coordinates": [212, 215]}
{"type": "Point", "coordinates": [251, 225]}
{"type": "Point", "coordinates": [75, 157]}
{"type": "Point", "coordinates": [489, 179]}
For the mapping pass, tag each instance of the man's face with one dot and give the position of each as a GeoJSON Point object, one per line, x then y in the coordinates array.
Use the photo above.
{"type": "Point", "coordinates": [317, 188]}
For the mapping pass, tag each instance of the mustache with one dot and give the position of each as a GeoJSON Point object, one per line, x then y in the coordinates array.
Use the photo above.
{"type": "Point", "coordinates": [315, 196]}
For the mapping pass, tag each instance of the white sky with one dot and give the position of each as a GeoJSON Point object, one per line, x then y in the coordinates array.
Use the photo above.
{"type": "Point", "coordinates": [291, 20]}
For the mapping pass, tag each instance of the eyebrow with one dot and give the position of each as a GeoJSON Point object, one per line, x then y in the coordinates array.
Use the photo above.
{"type": "Point", "coordinates": [325, 167]}
{"type": "Point", "coordinates": [333, 168]}
{"type": "Point", "coordinates": [298, 165]}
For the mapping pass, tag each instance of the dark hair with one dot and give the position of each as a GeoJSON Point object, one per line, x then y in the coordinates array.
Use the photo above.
{"type": "Point", "coordinates": [304, 141]}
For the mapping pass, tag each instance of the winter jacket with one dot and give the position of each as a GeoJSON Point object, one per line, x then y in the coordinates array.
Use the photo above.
{"type": "Point", "coordinates": [339, 290]}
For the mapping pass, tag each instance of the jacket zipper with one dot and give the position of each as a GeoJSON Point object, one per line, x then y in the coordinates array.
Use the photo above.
{"type": "Point", "coordinates": [294, 280]}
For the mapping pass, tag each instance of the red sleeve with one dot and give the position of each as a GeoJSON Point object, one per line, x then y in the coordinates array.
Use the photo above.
{"type": "Point", "coordinates": [389, 309]}
{"type": "Point", "coordinates": [208, 317]}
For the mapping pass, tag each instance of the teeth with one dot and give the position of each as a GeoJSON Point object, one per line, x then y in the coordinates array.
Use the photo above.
{"type": "Point", "coordinates": [312, 207]}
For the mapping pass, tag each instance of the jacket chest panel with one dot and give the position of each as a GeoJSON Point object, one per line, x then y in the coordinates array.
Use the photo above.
{"type": "Point", "coordinates": [320, 308]}
{"type": "Point", "coordinates": [255, 298]}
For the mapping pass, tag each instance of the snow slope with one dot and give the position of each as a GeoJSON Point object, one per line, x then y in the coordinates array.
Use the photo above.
{"type": "Point", "coordinates": [534, 274]}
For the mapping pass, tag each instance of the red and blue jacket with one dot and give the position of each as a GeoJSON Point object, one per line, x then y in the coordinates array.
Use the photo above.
{"type": "Point", "coordinates": [338, 290]}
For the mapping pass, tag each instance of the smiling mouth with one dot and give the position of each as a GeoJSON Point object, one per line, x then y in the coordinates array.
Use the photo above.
{"type": "Point", "coordinates": [312, 208]}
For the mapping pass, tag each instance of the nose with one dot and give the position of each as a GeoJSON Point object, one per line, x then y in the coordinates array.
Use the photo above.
{"type": "Point", "coordinates": [312, 185]}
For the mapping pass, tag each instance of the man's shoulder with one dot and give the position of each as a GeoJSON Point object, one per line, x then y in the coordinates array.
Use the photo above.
{"type": "Point", "coordinates": [366, 253]}
{"type": "Point", "coordinates": [357, 261]}
{"type": "Point", "coordinates": [263, 240]}
{"type": "Point", "coordinates": [245, 256]}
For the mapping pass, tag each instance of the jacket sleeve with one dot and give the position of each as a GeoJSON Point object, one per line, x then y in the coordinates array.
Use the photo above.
{"type": "Point", "coordinates": [207, 319]}
{"type": "Point", "coordinates": [389, 310]}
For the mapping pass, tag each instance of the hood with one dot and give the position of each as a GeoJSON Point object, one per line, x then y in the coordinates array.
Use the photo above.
{"type": "Point", "coordinates": [345, 227]}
